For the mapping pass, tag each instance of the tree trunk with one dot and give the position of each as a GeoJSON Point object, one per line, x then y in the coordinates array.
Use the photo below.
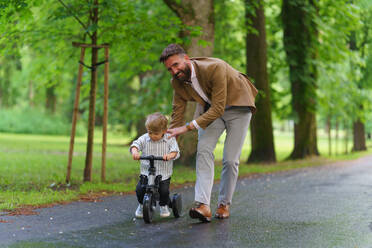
{"type": "Point", "coordinates": [92, 99]}
{"type": "Point", "coordinates": [337, 136]}
{"type": "Point", "coordinates": [359, 138]}
{"type": "Point", "coordinates": [51, 99]}
{"type": "Point", "coordinates": [193, 13]}
{"type": "Point", "coordinates": [31, 93]}
{"type": "Point", "coordinates": [300, 34]}
{"type": "Point", "coordinates": [262, 137]}
{"type": "Point", "coordinates": [6, 85]}
{"type": "Point", "coordinates": [329, 135]}
{"type": "Point", "coordinates": [1, 92]}
{"type": "Point", "coordinates": [346, 127]}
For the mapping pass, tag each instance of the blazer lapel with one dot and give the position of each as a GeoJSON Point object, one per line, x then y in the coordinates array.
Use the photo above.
{"type": "Point", "coordinates": [201, 80]}
{"type": "Point", "coordinates": [194, 94]}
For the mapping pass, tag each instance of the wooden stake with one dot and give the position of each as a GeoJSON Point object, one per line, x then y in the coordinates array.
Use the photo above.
{"type": "Point", "coordinates": [74, 116]}
{"type": "Point", "coordinates": [105, 115]}
{"type": "Point", "coordinates": [92, 100]}
{"type": "Point", "coordinates": [77, 44]}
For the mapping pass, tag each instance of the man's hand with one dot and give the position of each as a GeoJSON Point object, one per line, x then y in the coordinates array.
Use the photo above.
{"type": "Point", "coordinates": [174, 132]}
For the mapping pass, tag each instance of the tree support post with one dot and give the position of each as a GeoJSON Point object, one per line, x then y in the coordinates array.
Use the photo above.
{"type": "Point", "coordinates": [105, 115]}
{"type": "Point", "coordinates": [88, 164]}
{"type": "Point", "coordinates": [74, 116]}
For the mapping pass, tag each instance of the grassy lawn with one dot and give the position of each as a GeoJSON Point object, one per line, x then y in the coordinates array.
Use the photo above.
{"type": "Point", "coordinates": [33, 167]}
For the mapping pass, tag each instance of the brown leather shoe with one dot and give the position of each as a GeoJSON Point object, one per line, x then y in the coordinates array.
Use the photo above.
{"type": "Point", "coordinates": [222, 212]}
{"type": "Point", "coordinates": [202, 212]}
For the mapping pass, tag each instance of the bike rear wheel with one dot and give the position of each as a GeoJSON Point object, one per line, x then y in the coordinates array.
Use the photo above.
{"type": "Point", "coordinates": [177, 205]}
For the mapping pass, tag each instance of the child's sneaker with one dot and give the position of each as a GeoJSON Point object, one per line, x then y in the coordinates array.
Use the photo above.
{"type": "Point", "coordinates": [139, 211]}
{"type": "Point", "coordinates": [164, 211]}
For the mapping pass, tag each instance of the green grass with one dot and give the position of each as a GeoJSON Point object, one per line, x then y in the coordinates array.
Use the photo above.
{"type": "Point", "coordinates": [31, 164]}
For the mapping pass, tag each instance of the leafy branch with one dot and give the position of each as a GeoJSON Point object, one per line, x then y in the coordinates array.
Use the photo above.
{"type": "Point", "coordinates": [77, 18]}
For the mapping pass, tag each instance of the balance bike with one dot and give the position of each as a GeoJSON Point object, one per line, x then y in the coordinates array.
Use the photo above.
{"type": "Point", "coordinates": [152, 193]}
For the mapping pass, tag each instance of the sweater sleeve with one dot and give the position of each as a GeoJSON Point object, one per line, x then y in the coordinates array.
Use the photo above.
{"type": "Point", "coordinates": [138, 143]}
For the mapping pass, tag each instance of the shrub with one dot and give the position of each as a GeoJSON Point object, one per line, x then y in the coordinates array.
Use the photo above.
{"type": "Point", "coordinates": [34, 121]}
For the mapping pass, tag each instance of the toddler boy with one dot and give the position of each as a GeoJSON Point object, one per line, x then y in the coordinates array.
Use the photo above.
{"type": "Point", "coordinates": [155, 142]}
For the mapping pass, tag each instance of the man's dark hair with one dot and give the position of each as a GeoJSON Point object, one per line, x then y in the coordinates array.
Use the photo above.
{"type": "Point", "coordinates": [170, 50]}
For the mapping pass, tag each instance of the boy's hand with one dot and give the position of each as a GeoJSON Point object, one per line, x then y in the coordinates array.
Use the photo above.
{"type": "Point", "coordinates": [170, 156]}
{"type": "Point", "coordinates": [135, 153]}
{"type": "Point", "coordinates": [166, 157]}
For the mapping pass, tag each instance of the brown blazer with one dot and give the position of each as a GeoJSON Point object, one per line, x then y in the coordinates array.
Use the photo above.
{"type": "Point", "coordinates": [222, 84]}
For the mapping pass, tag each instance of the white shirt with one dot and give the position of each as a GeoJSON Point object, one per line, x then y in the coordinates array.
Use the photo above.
{"type": "Point", "coordinates": [196, 86]}
{"type": "Point", "coordinates": [157, 148]}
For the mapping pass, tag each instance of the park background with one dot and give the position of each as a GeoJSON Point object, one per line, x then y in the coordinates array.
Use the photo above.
{"type": "Point", "coordinates": [310, 60]}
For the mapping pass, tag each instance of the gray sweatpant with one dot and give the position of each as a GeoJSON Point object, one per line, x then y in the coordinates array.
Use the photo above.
{"type": "Point", "coordinates": [236, 122]}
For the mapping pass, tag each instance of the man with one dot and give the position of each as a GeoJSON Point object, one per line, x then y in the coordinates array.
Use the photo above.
{"type": "Point", "coordinates": [225, 100]}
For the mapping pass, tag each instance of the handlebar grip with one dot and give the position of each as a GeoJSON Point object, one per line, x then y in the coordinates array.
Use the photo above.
{"type": "Point", "coordinates": [151, 157]}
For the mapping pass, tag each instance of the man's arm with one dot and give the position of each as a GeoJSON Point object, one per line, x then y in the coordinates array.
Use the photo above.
{"type": "Point", "coordinates": [178, 111]}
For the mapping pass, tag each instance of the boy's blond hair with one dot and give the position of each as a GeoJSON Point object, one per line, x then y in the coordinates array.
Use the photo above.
{"type": "Point", "coordinates": [156, 122]}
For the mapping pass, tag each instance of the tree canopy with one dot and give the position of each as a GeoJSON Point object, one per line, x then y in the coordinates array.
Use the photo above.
{"type": "Point", "coordinates": [38, 64]}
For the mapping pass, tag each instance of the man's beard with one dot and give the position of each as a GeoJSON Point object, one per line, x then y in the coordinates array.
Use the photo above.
{"type": "Point", "coordinates": [184, 75]}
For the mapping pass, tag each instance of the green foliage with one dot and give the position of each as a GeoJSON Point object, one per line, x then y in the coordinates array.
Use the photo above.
{"type": "Point", "coordinates": [137, 31]}
{"type": "Point", "coordinates": [278, 69]}
{"type": "Point", "coordinates": [33, 121]}
{"type": "Point", "coordinates": [300, 44]}
{"type": "Point", "coordinates": [230, 18]}
{"type": "Point", "coordinates": [36, 54]}
{"type": "Point", "coordinates": [152, 93]}
{"type": "Point", "coordinates": [344, 72]}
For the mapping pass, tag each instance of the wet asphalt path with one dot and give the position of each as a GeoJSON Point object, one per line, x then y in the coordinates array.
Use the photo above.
{"type": "Point", "coordinates": [328, 206]}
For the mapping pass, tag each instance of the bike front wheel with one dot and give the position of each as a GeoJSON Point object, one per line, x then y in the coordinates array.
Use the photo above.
{"type": "Point", "coordinates": [148, 210]}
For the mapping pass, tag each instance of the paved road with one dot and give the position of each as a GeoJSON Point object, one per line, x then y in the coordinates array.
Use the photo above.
{"type": "Point", "coordinates": [328, 206]}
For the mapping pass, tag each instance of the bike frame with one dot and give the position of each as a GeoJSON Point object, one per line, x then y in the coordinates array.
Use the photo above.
{"type": "Point", "coordinates": [153, 179]}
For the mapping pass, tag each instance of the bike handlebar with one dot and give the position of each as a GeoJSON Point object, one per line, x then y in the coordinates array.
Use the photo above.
{"type": "Point", "coordinates": [151, 157]}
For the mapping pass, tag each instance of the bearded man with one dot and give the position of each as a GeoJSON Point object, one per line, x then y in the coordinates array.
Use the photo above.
{"type": "Point", "coordinates": [225, 100]}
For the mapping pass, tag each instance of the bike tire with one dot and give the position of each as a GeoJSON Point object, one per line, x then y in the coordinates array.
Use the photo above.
{"type": "Point", "coordinates": [177, 205]}
{"type": "Point", "coordinates": [147, 208]}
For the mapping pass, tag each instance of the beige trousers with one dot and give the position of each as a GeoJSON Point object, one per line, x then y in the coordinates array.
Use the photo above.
{"type": "Point", "coordinates": [235, 121]}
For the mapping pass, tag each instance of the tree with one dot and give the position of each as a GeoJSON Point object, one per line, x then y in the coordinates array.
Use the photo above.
{"type": "Point", "coordinates": [359, 141]}
{"type": "Point", "coordinates": [135, 31]}
{"type": "Point", "coordinates": [300, 43]}
{"type": "Point", "coordinates": [359, 134]}
{"type": "Point", "coordinates": [335, 77]}
{"type": "Point", "coordinates": [10, 64]}
{"type": "Point", "coordinates": [262, 137]}
{"type": "Point", "coordinates": [98, 11]}
{"type": "Point", "coordinates": [194, 13]}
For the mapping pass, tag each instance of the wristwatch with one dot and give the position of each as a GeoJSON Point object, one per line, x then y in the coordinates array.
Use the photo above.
{"type": "Point", "coordinates": [189, 128]}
